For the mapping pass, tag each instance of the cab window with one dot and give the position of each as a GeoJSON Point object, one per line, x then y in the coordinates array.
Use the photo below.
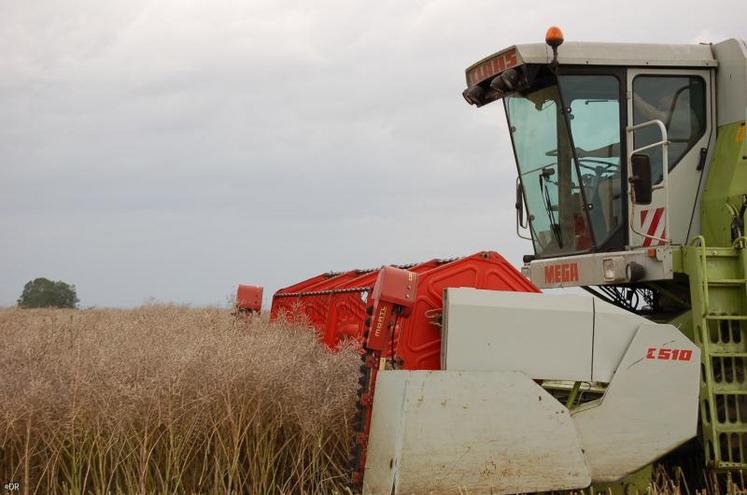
{"type": "Point", "coordinates": [593, 105]}
{"type": "Point", "coordinates": [677, 101]}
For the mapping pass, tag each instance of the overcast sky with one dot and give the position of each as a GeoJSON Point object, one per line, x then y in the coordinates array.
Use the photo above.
{"type": "Point", "coordinates": [172, 149]}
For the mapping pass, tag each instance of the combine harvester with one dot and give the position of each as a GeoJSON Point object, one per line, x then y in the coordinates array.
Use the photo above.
{"type": "Point", "coordinates": [632, 183]}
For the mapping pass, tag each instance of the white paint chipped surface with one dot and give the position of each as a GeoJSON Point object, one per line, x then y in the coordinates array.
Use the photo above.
{"type": "Point", "coordinates": [482, 432]}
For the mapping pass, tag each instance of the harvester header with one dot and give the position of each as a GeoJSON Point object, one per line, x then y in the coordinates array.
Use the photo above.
{"type": "Point", "coordinates": [336, 303]}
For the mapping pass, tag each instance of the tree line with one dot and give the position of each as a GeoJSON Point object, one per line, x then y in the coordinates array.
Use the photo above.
{"type": "Point", "coordinates": [44, 293]}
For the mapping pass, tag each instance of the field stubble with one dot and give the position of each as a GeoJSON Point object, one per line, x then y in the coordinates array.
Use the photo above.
{"type": "Point", "coordinates": [175, 400]}
{"type": "Point", "coordinates": [169, 399]}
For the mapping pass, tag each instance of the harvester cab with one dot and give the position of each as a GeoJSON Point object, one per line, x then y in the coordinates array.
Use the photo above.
{"type": "Point", "coordinates": [613, 143]}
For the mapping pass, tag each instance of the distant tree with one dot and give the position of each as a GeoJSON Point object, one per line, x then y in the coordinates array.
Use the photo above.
{"type": "Point", "coordinates": [44, 293]}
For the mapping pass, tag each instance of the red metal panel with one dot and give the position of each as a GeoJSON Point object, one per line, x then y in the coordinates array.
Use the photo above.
{"type": "Point", "coordinates": [313, 298]}
{"type": "Point", "coordinates": [347, 311]}
{"type": "Point", "coordinates": [289, 305]}
{"type": "Point", "coordinates": [396, 286]}
{"type": "Point", "coordinates": [249, 298]}
{"type": "Point", "coordinates": [393, 294]}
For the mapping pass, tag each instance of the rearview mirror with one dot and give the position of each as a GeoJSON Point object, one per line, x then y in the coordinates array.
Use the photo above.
{"type": "Point", "coordinates": [640, 181]}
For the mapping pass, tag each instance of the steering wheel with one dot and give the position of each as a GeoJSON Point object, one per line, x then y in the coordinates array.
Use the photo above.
{"type": "Point", "coordinates": [606, 166]}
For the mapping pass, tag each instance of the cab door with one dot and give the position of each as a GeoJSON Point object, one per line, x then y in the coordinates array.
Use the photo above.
{"type": "Point", "coordinates": [679, 102]}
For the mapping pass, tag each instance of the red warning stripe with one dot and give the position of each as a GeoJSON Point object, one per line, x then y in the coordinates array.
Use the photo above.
{"type": "Point", "coordinates": [652, 225]}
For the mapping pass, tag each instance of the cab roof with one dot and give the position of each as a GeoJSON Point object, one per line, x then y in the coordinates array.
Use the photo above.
{"type": "Point", "coordinates": [627, 54]}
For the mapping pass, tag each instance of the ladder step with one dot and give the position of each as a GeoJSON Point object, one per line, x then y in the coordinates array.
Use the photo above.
{"type": "Point", "coordinates": [729, 389]}
{"type": "Point", "coordinates": [711, 316]}
{"type": "Point", "coordinates": [731, 428]}
{"type": "Point", "coordinates": [727, 281]}
{"type": "Point", "coordinates": [722, 253]}
{"type": "Point", "coordinates": [730, 465]}
{"type": "Point", "coordinates": [727, 354]}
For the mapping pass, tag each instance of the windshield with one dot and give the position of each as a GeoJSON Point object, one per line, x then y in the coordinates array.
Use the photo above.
{"type": "Point", "coordinates": [573, 195]}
